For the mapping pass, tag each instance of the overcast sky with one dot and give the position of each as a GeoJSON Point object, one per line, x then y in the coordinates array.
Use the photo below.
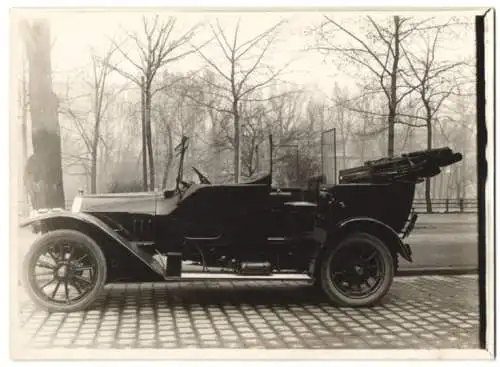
{"type": "Point", "coordinates": [74, 33]}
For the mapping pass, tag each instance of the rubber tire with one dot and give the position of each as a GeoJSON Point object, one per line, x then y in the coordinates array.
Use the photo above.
{"type": "Point", "coordinates": [337, 297]}
{"type": "Point", "coordinates": [73, 236]}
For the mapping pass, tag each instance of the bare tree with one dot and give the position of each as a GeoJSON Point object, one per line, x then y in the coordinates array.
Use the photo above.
{"type": "Point", "coordinates": [291, 133]}
{"type": "Point", "coordinates": [88, 120]}
{"type": "Point", "coordinates": [241, 72]}
{"type": "Point", "coordinates": [157, 50]}
{"type": "Point", "coordinates": [378, 51]}
{"type": "Point", "coordinates": [219, 121]}
{"type": "Point", "coordinates": [254, 132]}
{"type": "Point", "coordinates": [100, 71]}
{"type": "Point", "coordinates": [434, 82]}
{"type": "Point", "coordinates": [345, 123]}
{"type": "Point", "coordinates": [165, 110]}
{"type": "Point", "coordinates": [456, 126]}
{"type": "Point", "coordinates": [44, 167]}
{"type": "Point", "coordinates": [120, 156]}
{"type": "Point", "coordinates": [177, 116]}
{"type": "Point", "coordinates": [362, 134]}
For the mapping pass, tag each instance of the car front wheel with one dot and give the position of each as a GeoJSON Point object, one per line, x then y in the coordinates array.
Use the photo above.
{"type": "Point", "coordinates": [64, 271]}
{"type": "Point", "coordinates": [358, 271]}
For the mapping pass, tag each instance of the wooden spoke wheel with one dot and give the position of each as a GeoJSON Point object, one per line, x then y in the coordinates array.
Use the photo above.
{"type": "Point", "coordinates": [358, 271]}
{"type": "Point", "coordinates": [64, 271]}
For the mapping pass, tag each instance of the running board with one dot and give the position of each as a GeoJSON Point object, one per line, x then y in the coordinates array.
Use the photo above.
{"type": "Point", "coordinates": [234, 276]}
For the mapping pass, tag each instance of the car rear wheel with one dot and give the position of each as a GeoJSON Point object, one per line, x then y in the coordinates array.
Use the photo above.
{"type": "Point", "coordinates": [64, 271]}
{"type": "Point", "coordinates": [357, 272]}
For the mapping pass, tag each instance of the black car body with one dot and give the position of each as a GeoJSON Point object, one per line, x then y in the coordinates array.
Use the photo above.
{"type": "Point", "coordinates": [346, 238]}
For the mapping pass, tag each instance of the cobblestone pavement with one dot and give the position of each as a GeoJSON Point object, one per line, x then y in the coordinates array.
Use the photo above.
{"type": "Point", "coordinates": [419, 312]}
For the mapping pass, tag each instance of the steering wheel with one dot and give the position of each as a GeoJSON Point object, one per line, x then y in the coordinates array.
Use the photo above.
{"type": "Point", "coordinates": [203, 179]}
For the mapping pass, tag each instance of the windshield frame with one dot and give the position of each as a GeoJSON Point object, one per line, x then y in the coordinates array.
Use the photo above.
{"type": "Point", "coordinates": [181, 151]}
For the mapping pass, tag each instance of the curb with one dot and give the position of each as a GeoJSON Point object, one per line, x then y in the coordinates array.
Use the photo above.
{"type": "Point", "coordinates": [405, 272]}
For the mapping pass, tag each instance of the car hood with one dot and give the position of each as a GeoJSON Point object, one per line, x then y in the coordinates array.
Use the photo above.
{"type": "Point", "coordinates": [140, 203]}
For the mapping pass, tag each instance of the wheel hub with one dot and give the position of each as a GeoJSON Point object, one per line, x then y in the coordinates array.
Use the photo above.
{"type": "Point", "coordinates": [62, 271]}
{"type": "Point", "coordinates": [359, 270]}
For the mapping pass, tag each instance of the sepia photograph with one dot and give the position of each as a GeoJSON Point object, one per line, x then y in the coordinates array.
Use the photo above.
{"type": "Point", "coordinates": [235, 183]}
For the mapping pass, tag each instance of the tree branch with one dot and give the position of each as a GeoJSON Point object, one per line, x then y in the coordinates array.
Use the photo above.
{"type": "Point", "coordinates": [353, 36]}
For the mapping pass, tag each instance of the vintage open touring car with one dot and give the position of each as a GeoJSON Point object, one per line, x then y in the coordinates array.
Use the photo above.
{"type": "Point", "coordinates": [344, 238]}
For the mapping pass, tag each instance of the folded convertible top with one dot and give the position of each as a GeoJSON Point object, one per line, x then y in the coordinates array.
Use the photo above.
{"type": "Point", "coordinates": [414, 166]}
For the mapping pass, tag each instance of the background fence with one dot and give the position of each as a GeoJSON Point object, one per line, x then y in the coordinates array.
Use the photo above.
{"type": "Point", "coordinates": [447, 205]}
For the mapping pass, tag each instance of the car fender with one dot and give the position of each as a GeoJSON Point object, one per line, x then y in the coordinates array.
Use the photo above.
{"type": "Point", "coordinates": [40, 221]}
{"type": "Point", "coordinates": [81, 221]}
{"type": "Point", "coordinates": [361, 224]}
{"type": "Point", "coordinates": [378, 228]}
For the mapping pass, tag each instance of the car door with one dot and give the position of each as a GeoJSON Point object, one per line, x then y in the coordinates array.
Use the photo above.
{"type": "Point", "coordinates": [232, 212]}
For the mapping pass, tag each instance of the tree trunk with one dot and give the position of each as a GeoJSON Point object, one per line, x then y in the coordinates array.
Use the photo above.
{"type": "Point", "coordinates": [48, 178]}
{"type": "Point", "coordinates": [448, 185]}
{"type": "Point", "coordinates": [250, 166]}
{"type": "Point", "coordinates": [458, 184]}
{"type": "Point", "coordinates": [363, 141]}
{"type": "Point", "coordinates": [215, 165]}
{"type": "Point", "coordinates": [464, 164]}
{"type": "Point", "coordinates": [428, 201]}
{"type": "Point", "coordinates": [144, 153]}
{"type": "Point", "coordinates": [95, 144]}
{"type": "Point", "coordinates": [93, 164]}
{"type": "Point", "coordinates": [170, 156]}
{"type": "Point", "coordinates": [257, 160]}
{"type": "Point", "coordinates": [463, 192]}
{"type": "Point", "coordinates": [149, 139]}
{"type": "Point", "coordinates": [390, 131]}
{"type": "Point", "coordinates": [237, 147]}
{"type": "Point", "coordinates": [393, 100]}
{"type": "Point", "coordinates": [343, 138]}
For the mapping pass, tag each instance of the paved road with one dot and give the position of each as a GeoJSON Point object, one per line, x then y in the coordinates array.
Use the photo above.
{"type": "Point", "coordinates": [419, 312]}
{"type": "Point", "coordinates": [444, 241]}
